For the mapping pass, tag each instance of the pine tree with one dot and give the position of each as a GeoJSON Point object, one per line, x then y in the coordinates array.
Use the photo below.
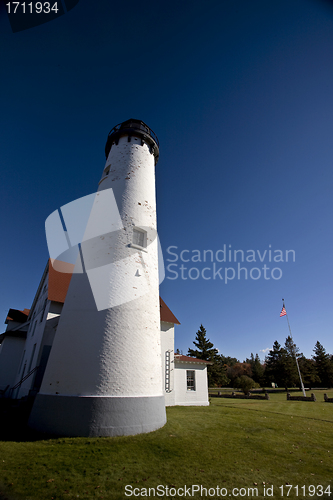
{"type": "Point", "coordinates": [272, 363]}
{"type": "Point", "coordinates": [308, 371]}
{"type": "Point", "coordinates": [290, 368]}
{"type": "Point", "coordinates": [281, 365]}
{"type": "Point", "coordinates": [227, 360]}
{"type": "Point", "coordinates": [257, 369]}
{"type": "Point", "coordinates": [324, 366]}
{"type": "Point", "coordinates": [205, 350]}
{"type": "Point", "coordinates": [217, 373]}
{"type": "Point", "coordinates": [276, 361]}
{"type": "Point", "coordinates": [291, 347]}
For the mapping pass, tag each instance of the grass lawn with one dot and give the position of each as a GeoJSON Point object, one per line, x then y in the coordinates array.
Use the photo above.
{"type": "Point", "coordinates": [230, 444]}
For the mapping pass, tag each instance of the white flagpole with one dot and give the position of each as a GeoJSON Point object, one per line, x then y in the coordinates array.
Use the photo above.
{"type": "Point", "coordinates": [299, 372]}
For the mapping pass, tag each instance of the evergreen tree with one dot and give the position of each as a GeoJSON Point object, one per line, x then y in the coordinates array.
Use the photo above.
{"type": "Point", "coordinates": [227, 360]}
{"type": "Point", "coordinates": [291, 347]}
{"type": "Point", "coordinates": [290, 368]}
{"type": "Point", "coordinates": [281, 365]}
{"type": "Point", "coordinates": [324, 366]}
{"type": "Point", "coordinates": [308, 371]}
{"type": "Point", "coordinates": [275, 365]}
{"type": "Point", "coordinates": [272, 363]}
{"type": "Point", "coordinates": [217, 373]}
{"type": "Point", "coordinates": [257, 369]}
{"type": "Point", "coordinates": [205, 350]}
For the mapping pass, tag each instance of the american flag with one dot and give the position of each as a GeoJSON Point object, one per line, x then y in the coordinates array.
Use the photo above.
{"type": "Point", "coordinates": [283, 312]}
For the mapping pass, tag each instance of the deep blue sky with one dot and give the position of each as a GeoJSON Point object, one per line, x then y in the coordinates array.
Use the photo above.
{"type": "Point", "coordinates": [240, 96]}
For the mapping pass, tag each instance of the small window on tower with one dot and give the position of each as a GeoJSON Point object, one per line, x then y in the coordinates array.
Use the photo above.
{"type": "Point", "coordinates": [139, 238]}
{"type": "Point", "coordinates": [107, 170]}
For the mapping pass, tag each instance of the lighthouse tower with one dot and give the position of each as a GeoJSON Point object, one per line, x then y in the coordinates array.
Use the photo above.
{"type": "Point", "coordinates": [104, 374]}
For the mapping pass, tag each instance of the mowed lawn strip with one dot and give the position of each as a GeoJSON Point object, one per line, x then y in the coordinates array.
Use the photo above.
{"type": "Point", "coordinates": [230, 444]}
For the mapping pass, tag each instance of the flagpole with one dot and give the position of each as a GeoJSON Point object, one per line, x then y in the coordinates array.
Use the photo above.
{"type": "Point", "coordinates": [299, 372]}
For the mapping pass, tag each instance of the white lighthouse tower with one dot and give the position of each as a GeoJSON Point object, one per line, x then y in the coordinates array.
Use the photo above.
{"type": "Point", "coordinates": [104, 374]}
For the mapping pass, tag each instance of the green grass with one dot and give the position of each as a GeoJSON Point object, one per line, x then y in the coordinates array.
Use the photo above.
{"type": "Point", "coordinates": [231, 443]}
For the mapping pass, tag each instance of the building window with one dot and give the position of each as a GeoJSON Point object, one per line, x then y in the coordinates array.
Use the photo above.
{"type": "Point", "coordinates": [32, 357]}
{"type": "Point", "coordinates": [22, 360]}
{"type": "Point", "coordinates": [190, 376]}
{"type": "Point", "coordinates": [34, 328]}
{"type": "Point", "coordinates": [43, 312]}
{"type": "Point", "coordinates": [139, 238]}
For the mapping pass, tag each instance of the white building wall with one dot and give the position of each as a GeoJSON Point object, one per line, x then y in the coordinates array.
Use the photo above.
{"type": "Point", "coordinates": [39, 336]}
{"type": "Point", "coordinates": [11, 355]}
{"type": "Point", "coordinates": [185, 397]}
{"type": "Point", "coordinates": [167, 345]}
{"type": "Point", "coordinates": [33, 342]}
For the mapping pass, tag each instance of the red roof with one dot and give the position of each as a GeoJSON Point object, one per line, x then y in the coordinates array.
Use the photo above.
{"type": "Point", "coordinates": [187, 359]}
{"type": "Point", "coordinates": [166, 314]}
{"type": "Point", "coordinates": [59, 283]}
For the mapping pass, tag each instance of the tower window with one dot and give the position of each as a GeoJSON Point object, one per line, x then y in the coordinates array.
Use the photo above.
{"type": "Point", "coordinates": [139, 238]}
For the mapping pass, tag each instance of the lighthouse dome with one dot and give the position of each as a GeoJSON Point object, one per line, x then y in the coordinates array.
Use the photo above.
{"type": "Point", "coordinates": [133, 128]}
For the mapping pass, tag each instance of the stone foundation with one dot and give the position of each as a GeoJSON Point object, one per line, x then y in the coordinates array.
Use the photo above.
{"type": "Point", "coordinates": [239, 396]}
{"type": "Point", "coordinates": [301, 398]}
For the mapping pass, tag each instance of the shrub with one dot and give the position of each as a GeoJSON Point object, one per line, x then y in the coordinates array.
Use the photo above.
{"type": "Point", "coordinates": [245, 383]}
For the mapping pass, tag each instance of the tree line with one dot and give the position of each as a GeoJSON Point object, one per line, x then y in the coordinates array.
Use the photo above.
{"type": "Point", "coordinates": [279, 367]}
